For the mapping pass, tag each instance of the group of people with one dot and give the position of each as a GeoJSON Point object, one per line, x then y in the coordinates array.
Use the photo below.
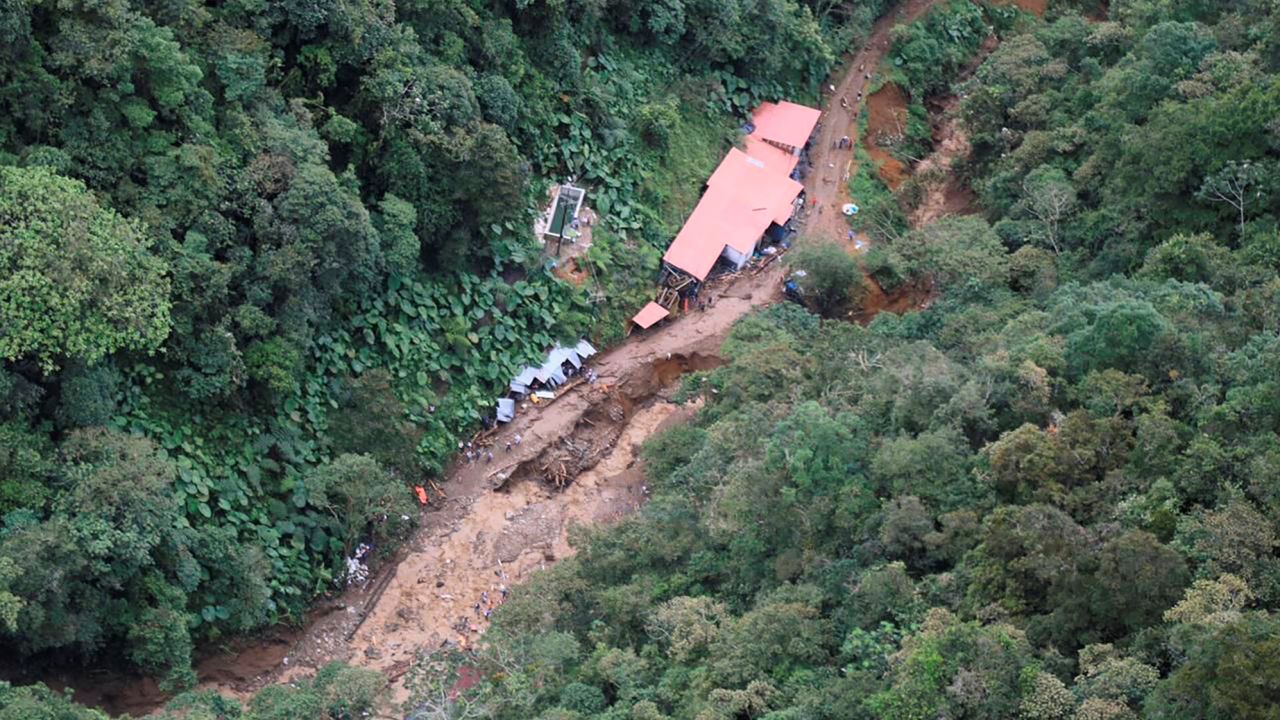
{"type": "Point", "coordinates": [845, 143]}
{"type": "Point", "coordinates": [487, 605]}
{"type": "Point", "coordinates": [472, 453]}
{"type": "Point", "coordinates": [483, 609]}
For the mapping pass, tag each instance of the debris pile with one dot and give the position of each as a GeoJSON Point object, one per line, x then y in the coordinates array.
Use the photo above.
{"type": "Point", "coordinates": [357, 571]}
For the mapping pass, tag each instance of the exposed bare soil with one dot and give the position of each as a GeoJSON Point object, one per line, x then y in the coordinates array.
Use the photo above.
{"type": "Point", "coordinates": [502, 520]}
{"type": "Point", "coordinates": [827, 187]}
{"type": "Point", "coordinates": [944, 192]}
{"type": "Point", "coordinates": [1035, 7]}
{"type": "Point", "coordinates": [911, 296]}
{"type": "Point", "coordinates": [886, 123]}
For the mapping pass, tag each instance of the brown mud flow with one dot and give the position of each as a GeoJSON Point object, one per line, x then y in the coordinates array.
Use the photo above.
{"type": "Point", "coordinates": [886, 126]}
{"type": "Point", "coordinates": [575, 465]}
{"type": "Point", "coordinates": [597, 431]}
{"type": "Point", "coordinates": [491, 532]}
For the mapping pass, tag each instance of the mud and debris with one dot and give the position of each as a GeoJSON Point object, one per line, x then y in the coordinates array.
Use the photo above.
{"type": "Point", "coordinates": [575, 463]}
{"type": "Point", "coordinates": [943, 191]}
{"type": "Point", "coordinates": [827, 187]}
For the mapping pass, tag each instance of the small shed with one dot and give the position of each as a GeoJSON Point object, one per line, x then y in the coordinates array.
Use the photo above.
{"type": "Point", "coordinates": [506, 410]}
{"type": "Point", "coordinates": [649, 315]}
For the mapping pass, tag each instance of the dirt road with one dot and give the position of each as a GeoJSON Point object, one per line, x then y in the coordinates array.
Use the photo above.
{"type": "Point", "coordinates": [828, 185]}
{"type": "Point", "coordinates": [483, 540]}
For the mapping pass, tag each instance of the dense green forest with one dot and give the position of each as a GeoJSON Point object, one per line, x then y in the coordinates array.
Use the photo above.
{"type": "Point", "coordinates": [263, 263]}
{"type": "Point", "coordinates": [1052, 494]}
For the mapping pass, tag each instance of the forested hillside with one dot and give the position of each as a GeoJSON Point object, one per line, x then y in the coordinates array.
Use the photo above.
{"type": "Point", "coordinates": [263, 263]}
{"type": "Point", "coordinates": [290, 231]}
{"type": "Point", "coordinates": [1050, 495]}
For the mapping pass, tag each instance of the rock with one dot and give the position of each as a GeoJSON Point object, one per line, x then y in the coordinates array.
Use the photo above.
{"type": "Point", "coordinates": [372, 653]}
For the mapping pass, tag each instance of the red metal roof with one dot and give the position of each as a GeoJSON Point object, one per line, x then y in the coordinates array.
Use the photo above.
{"type": "Point", "coordinates": [743, 196]}
{"type": "Point", "coordinates": [772, 155]}
{"type": "Point", "coordinates": [746, 192]}
{"type": "Point", "coordinates": [785, 123]}
{"type": "Point", "coordinates": [650, 314]}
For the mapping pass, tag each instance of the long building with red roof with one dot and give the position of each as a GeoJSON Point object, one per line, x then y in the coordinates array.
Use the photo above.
{"type": "Point", "coordinates": [747, 193]}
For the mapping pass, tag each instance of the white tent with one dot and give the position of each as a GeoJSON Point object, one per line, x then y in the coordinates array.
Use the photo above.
{"type": "Point", "coordinates": [550, 373]}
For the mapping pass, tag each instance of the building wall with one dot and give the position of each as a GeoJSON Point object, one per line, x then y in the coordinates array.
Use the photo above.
{"type": "Point", "coordinates": [738, 259]}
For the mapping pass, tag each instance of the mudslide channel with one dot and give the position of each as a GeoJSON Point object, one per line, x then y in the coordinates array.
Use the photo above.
{"type": "Point", "coordinates": [576, 464]}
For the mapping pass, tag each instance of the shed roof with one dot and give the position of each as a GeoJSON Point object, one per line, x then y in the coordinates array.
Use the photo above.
{"type": "Point", "coordinates": [785, 123]}
{"type": "Point", "coordinates": [650, 314]}
{"type": "Point", "coordinates": [506, 410]}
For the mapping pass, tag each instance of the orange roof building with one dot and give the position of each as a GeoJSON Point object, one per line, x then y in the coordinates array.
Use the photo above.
{"type": "Point", "coordinates": [747, 193]}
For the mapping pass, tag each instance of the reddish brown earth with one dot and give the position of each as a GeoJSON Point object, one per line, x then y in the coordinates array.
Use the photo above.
{"type": "Point", "coordinates": [1035, 7]}
{"type": "Point", "coordinates": [911, 296]}
{"type": "Point", "coordinates": [886, 119]}
{"type": "Point", "coordinates": [827, 186]}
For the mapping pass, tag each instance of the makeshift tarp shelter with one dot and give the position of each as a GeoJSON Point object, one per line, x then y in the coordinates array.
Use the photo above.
{"type": "Point", "coordinates": [584, 349]}
{"type": "Point", "coordinates": [549, 374]}
{"type": "Point", "coordinates": [650, 314]}
{"type": "Point", "coordinates": [551, 371]}
{"type": "Point", "coordinates": [506, 409]}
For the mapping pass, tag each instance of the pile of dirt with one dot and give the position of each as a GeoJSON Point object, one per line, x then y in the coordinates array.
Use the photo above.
{"type": "Point", "coordinates": [907, 297]}
{"type": "Point", "coordinates": [886, 124]}
{"type": "Point", "coordinates": [571, 271]}
{"type": "Point", "coordinates": [943, 191]}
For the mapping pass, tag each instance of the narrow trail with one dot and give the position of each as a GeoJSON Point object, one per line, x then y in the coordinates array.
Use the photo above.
{"type": "Point", "coordinates": [502, 521]}
{"type": "Point", "coordinates": [827, 186]}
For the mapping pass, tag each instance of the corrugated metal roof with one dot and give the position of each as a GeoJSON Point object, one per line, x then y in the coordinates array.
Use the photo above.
{"type": "Point", "coordinates": [743, 196]}
{"type": "Point", "coordinates": [785, 123]}
{"type": "Point", "coordinates": [773, 156]}
{"type": "Point", "coordinates": [650, 314]}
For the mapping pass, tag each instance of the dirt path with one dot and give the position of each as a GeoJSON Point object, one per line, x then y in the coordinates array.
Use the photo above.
{"type": "Point", "coordinates": [503, 520]}
{"type": "Point", "coordinates": [827, 186]}
{"type": "Point", "coordinates": [482, 539]}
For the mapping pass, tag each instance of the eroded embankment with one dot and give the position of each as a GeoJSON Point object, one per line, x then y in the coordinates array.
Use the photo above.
{"type": "Point", "coordinates": [481, 544]}
{"type": "Point", "coordinates": [596, 432]}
